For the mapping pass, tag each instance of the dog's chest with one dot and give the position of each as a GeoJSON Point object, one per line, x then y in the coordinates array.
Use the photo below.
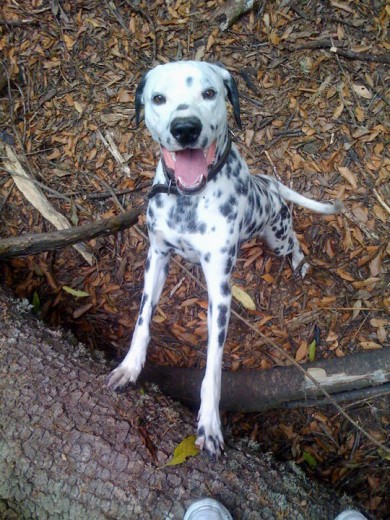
{"type": "Point", "coordinates": [191, 225]}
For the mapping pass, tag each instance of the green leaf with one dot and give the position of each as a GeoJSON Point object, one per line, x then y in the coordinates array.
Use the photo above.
{"type": "Point", "coordinates": [36, 303]}
{"type": "Point", "coordinates": [312, 350]}
{"type": "Point", "coordinates": [73, 215]}
{"type": "Point", "coordinates": [75, 292]}
{"type": "Point", "coordinates": [185, 449]}
{"type": "Point", "coordinates": [384, 453]}
{"type": "Point", "coordinates": [309, 459]}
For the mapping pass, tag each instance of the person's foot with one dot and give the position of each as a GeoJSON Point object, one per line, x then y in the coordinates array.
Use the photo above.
{"type": "Point", "coordinates": [207, 509]}
{"type": "Point", "coordinates": [350, 514]}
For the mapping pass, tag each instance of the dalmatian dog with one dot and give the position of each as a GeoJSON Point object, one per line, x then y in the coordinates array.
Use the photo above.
{"type": "Point", "coordinates": [203, 204]}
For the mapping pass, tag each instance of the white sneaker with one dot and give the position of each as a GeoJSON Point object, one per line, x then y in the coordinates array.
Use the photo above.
{"type": "Point", "coordinates": [207, 509]}
{"type": "Point", "coordinates": [350, 514]}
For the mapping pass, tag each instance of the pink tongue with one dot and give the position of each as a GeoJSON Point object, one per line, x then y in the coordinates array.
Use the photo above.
{"type": "Point", "coordinates": [190, 167]}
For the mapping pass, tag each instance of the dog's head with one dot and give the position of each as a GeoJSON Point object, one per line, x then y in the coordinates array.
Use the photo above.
{"type": "Point", "coordinates": [185, 111]}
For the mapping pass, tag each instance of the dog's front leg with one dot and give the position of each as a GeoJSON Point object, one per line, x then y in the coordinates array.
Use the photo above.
{"type": "Point", "coordinates": [217, 274]}
{"type": "Point", "coordinates": [155, 274]}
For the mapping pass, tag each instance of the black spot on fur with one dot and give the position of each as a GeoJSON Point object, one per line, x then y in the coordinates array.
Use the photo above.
{"type": "Point", "coordinates": [182, 107]}
{"type": "Point", "coordinates": [228, 208]}
{"type": "Point", "coordinates": [207, 257]}
{"type": "Point", "coordinates": [143, 301]}
{"type": "Point", "coordinates": [147, 264]}
{"type": "Point", "coordinates": [229, 266]}
{"type": "Point", "coordinates": [225, 288]}
{"type": "Point", "coordinates": [233, 250]}
{"type": "Point", "coordinates": [189, 81]}
{"type": "Point", "coordinates": [221, 338]}
{"type": "Point", "coordinates": [222, 316]}
{"type": "Point", "coordinates": [140, 320]}
{"type": "Point", "coordinates": [159, 200]}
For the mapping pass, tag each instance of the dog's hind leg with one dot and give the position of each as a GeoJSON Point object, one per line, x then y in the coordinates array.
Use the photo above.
{"type": "Point", "coordinates": [156, 270]}
{"type": "Point", "coordinates": [281, 238]}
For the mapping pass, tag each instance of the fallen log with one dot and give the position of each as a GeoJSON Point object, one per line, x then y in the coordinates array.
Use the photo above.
{"type": "Point", "coordinates": [71, 448]}
{"type": "Point", "coordinates": [31, 243]}
{"type": "Point", "coordinates": [258, 390]}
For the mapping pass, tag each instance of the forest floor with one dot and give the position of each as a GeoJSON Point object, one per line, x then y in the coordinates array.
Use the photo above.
{"type": "Point", "coordinates": [315, 118]}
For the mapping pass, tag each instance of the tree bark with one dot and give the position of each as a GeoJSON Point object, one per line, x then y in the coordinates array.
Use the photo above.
{"type": "Point", "coordinates": [70, 448]}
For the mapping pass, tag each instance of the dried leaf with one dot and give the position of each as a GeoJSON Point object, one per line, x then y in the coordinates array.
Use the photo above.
{"type": "Point", "coordinates": [344, 275]}
{"type": "Point", "coordinates": [339, 110]}
{"type": "Point", "coordinates": [301, 352]}
{"type": "Point", "coordinates": [362, 91]}
{"type": "Point", "coordinates": [243, 297]}
{"type": "Point", "coordinates": [69, 42]}
{"type": "Point", "coordinates": [375, 265]}
{"type": "Point", "coordinates": [268, 278]}
{"type": "Point", "coordinates": [187, 448]}
{"type": "Point", "coordinates": [79, 107]}
{"type": "Point", "coordinates": [356, 308]}
{"type": "Point", "coordinates": [370, 345]}
{"type": "Point", "coordinates": [349, 176]}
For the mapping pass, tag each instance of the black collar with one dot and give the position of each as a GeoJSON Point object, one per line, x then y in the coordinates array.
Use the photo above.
{"type": "Point", "coordinates": [171, 189]}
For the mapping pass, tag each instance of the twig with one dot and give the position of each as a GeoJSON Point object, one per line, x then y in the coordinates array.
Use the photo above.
{"type": "Point", "coordinates": [381, 201]}
{"type": "Point", "coordinates": [33, 243]}
{"type": "Point", "coordinates": [108, 141]}
{"type": "Point", "coordinates": [327, 45]}
{"type": "Point", "coordinates": [17, 23]}
{"type": "Point", "coordinates": [111, 191]}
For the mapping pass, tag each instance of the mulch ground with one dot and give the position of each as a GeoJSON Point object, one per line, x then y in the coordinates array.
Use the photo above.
{"type": "Point", "coordinates": [314, 118]}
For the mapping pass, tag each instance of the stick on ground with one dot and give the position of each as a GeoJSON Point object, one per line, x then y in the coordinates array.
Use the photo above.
{"type": "Point", "coordinates": [37, 243]}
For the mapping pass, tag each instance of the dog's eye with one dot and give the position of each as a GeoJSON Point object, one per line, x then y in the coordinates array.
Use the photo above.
{"type": "Point", "coordinates": [210, 93]}
{"type": "Point", "coordinates": [159, 99]}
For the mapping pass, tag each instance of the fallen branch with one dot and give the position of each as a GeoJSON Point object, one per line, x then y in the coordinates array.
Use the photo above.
{"type": "Point", "coordinates": [257, 390]}
{"type": "Point", "coordinates": [34, 195]}
{"type": "Point", "coordinates": [37, 243]}
{"type": "Point", "coordinates": [327, 45]}
{"type": "Point", "coordinates": [231, 11]}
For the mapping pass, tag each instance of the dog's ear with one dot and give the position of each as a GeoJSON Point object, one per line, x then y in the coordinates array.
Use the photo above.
{"type": "Point", "coordinates": [139, 98]}
{"type": "Point", "coordinates": [232, 92]}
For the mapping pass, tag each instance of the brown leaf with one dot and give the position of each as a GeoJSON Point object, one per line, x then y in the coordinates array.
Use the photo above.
{"type": "Point", "coordinates": [349, 176]}
{"type": "Point", "coordinates": [302, 351]}
{"type": "Point", "coordinates": [375, 265]}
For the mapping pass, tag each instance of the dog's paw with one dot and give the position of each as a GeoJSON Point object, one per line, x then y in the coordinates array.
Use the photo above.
{"type": "Point", "coordinates": [304, 269]}
{"type": "Point", "coordinates": [122, 376]}
{"type": "Point", "coordinates": [210, 440]}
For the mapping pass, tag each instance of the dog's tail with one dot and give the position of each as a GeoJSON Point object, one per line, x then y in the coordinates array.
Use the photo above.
{"type": "Point", "coordinates": [326, 208]}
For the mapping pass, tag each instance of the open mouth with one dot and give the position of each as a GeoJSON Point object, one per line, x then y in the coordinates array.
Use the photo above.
{"type": "Point", "coordinates": [190, 167]}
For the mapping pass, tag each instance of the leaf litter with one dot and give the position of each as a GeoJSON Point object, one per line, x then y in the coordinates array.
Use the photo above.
{"type": "Point", "coordinates": [316, 120]}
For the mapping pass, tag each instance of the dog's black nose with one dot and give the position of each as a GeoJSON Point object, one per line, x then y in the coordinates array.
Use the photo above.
{"type": "Point", "coordinates": [186, 130]}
